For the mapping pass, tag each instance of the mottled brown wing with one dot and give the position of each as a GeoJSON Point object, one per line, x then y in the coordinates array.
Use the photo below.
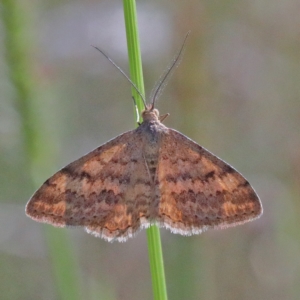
{"type": "Point", "coordinates": [107, 191]}
{"type": "Point", "coordinates": [200, 191]}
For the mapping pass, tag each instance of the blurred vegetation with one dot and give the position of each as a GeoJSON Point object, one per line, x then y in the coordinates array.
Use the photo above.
{"type": "Point", "coordinates": [236, 93]}
{"type": "Point", "coordinates": [14, 16]}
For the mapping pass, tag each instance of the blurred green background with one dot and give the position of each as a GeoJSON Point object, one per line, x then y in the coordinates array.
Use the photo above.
{"type": "Point", "coordinates": [236, 92]}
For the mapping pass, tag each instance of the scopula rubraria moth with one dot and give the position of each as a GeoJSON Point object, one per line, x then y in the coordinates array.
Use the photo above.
{"type": "Point", "coordinates": [150, 175]}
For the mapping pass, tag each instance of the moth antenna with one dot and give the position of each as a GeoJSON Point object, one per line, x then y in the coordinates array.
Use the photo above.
{"type": "Point", "coordinates": [122, 72]}
{"type": "Point", "coordinates": [166, 74]}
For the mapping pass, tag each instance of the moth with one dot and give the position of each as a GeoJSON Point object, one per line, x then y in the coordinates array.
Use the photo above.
{"type": "Point", "coordinates": [150, 175]}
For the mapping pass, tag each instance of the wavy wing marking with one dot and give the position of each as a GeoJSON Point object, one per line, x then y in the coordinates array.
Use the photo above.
{"type": "Point", "coordinates": [107, 191]}
{"type": "Point", "coordinates": [200, 191]}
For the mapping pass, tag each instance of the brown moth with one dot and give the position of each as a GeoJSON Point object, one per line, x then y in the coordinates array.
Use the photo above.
{"type": "Point", "coordinates": [150, 175]}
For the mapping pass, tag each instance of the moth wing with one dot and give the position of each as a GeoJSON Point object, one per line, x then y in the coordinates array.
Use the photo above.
{"type": "Point", "coordinates": [107, 191]}
{"type": "Point", "coordinates": [200, 191]}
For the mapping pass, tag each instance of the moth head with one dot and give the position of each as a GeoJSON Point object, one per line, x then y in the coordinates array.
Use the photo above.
{"type": "Point", "coordinates": [150, 114]}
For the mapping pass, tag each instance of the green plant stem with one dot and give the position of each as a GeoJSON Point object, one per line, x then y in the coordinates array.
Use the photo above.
{"type": "Point", "coordinates": [136, 75]}
{"type": "Point", "coordinates": [134, 53]}
{"type": "Point", "coordinates": [16, 54]}
{"type": "Point", "coordinates": [15, 18]}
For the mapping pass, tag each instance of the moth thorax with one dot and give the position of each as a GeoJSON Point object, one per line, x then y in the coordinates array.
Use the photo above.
{"type": "Point", "coordinates": [150, 114]}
